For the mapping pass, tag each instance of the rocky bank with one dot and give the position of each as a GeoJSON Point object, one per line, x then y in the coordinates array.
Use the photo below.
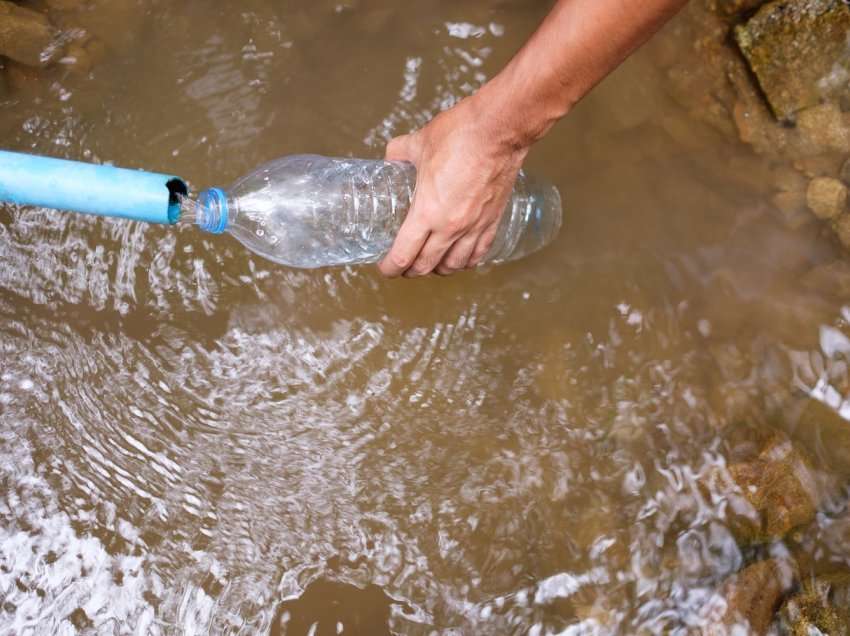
{"type": "Point", "coordinates": [776, 76]}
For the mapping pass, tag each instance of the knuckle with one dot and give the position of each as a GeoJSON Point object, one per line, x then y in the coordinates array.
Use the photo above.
{"type": "Point", "coordinates": [423, 265]}
{"type": "Point", "coordinates": [456, 224]}
{"type": "Point", "coordinates": [400, 261]}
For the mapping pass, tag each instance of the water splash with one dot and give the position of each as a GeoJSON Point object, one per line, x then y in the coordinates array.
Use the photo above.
{"type": "Point", "coordinates": [189, 210]}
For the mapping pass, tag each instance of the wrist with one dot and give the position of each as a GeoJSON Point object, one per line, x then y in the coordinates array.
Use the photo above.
{"type": "Point", "coordinates": [518, 113]}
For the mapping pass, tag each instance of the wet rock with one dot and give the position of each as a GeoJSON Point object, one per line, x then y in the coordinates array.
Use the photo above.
{"type": "Point", "coordinates": [826, 197]}
{"type": "Point", "coordinates": [77, 58]}
{"type": "Point", "coordinates": [754, 122]}
{"type": "Point", "coordinates": [753, 596]}
{"type": "Point", "coordinates": [824, 165]}
{"type": "Point", "coordinates": [786, 179]}
{"type": "Point", "coordinates": [771, 494]}
{"type": "Point", "coordinates": [20, 77]}
{"type": "Point", "coordinates": [831, 279]}
{"type": "Point", "coordinates": [824, 432]}
{"type": "Point", "coordinates": [26, 36]}
{"type": "Point", "coordinates": [797, 50]}
{"type": "Point", "coordinates": [791, 205]}
{"type": "Point", "coordinates": [733, 7]}
{"type": "Point", "coordinates": [699, 82]}
{"type": "Point", "coordinates": [841, 225]}
{"type": "Point", "coordinates": [790, 200]}
{"type": "Point", "coordinates": [64, 5]}
{"type": "Point", "coordinates": [825, 127]}
{"type": "Point", "coordinates": [821, 607]}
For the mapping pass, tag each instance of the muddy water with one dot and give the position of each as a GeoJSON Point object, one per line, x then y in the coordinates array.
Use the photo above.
{"type": "Point", "coordinates": [197, 441]}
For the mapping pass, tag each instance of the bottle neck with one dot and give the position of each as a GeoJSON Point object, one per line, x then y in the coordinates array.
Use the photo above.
{"type": "Point", "coordinates": [213, 211]}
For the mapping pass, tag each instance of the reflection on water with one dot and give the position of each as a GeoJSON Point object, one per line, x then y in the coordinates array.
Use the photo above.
{"type": "Point", "coordinates": [197, 441]}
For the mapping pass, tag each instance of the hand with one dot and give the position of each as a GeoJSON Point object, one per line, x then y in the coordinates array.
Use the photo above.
{"type": "Point", "coordinates": [465, 173]}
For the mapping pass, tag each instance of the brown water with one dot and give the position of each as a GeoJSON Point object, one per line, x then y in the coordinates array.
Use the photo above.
{"type": "Point", "coordinates": [197, 441]}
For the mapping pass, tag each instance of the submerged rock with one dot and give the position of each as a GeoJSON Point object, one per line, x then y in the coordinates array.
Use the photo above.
{"type": "Point", "coordinates": [820, 427]}
{"type": "Point", "coordinates": [824, 128]}
{"type": "Point", "coordinates": [733, 7]}
{"type": "Point", "coordinates": [826, 197]}
{"type": "Point", "coordinates": [26, 36]}
{"type": "Point", "coordinates": [844, 173]}
{"type": "Point", "coordinates": [771, 494]}
{"type": "Point", "coordinates": [798, 51]}
{"type": "Point", "coordinates": [821, 607]}
{"type": "Point", "coordinates": [790, 198]}
{"type": "Point", "coordinates": [841, 225]}
{"type": "Point", "coordinates": [753, 596]}
{"type": "Point", "coordinates": [829, 279]}
{"type": "Point", "coordinates": [699, 80]}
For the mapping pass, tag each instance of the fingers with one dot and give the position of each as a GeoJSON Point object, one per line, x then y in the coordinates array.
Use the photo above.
{"type": "Point", "coordinates": [406, 247]}
{"type": "Point", "coordinates": [403, 148]}
{"type": "Point", "coordinates": [429, 256]}
{"type": "Point", "coordinates": [414, 231]}
{"type": "Point", "coordinates": [483, 245]}
{"type": "Point", "coordinates": [458, 255]}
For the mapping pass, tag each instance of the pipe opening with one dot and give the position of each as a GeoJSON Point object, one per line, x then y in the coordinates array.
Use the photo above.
{"type": "Point", "coordinates": [176, 189]}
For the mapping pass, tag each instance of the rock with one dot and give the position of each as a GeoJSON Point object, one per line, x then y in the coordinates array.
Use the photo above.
{"type": "Point", "coordinates": [753, 595]}
{"type": "Point", "coordinates": [786, 179]}
{"type": "Point", "coordinates": [64, 5]}
{"type": "Point", "coordinates": [756, 126]}
{"type": "Point", "coordinates": [77, 58]}
{"type": "Point", "coordinates": [26, 36]}
{"type": "Point", "coordinates": [825, 165]}
{"type": "Point", "coordinates": [826, 197]}
{"type": "Point", "coordinates": [844, 173]}
{"type": "Point", "coordinates": [20, 77]}
{"type": "Point", "coordinates": [824, 432]}
{"type": "Point", "coordinates": [771, 494]}
{"type": "Point", "coordinates": [821, 607]}
{"type": "Point", "coordinates": [841, 225]}
{"type": "Point", "coordinates": [791, 206]}
{"type": "Point", "coordinates": [830, 279]}
{"type": "Point", "coordinates": [824, 127]}
{"type": "Point", "coordinates": [790, 200]}
{"type": "Point", "coordinates": [733, 7]}
{"type": "Point", "coordinates": [699, 81]}
{"type": "Point", "coordinates": [797, 50]}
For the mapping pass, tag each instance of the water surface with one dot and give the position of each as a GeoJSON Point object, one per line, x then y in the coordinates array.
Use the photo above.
{"type": "Point", "coordinates": [194, 440]}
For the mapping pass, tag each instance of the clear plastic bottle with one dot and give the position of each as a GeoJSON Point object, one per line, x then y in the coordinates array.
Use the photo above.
{"type": "Point", "coordinates": [313, 211]}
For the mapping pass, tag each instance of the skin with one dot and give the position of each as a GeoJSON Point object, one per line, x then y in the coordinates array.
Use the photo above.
{"type": "Point", "coordinates": [468, 157]}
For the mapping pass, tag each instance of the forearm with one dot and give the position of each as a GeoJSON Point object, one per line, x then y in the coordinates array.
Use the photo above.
{"type": "Point", "coordinates": [468, 156]}
{"type": "Point", "coordinates": [576, 46]}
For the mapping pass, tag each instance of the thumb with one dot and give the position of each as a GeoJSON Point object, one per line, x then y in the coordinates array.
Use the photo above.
{"type": "Point", "coordinates": [403, 148]}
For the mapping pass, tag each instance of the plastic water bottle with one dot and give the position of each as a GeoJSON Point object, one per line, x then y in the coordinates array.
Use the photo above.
{"type": "Point", "coordinates": [312, 211]}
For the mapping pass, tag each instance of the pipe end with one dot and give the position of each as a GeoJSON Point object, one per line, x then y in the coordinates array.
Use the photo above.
{"type": "Point", "coordinates": [176, 189]}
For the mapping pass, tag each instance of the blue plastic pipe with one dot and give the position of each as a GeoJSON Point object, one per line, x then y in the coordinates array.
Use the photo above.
{"type": "Point", "coordinates": [89, 188]}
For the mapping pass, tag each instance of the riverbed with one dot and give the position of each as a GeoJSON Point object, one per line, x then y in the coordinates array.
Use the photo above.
{"type": "Point", "coordinates": [194, 440]}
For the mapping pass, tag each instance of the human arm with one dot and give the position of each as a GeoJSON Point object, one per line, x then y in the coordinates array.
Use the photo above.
{"type": "Point", "coordinates": [468, 157]}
